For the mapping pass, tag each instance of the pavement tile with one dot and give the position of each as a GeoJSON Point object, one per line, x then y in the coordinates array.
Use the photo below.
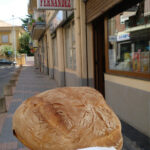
{"type": "Point", "coordinates": [8, 101]}
{"type": "Point", "coordinates": [8, 146]}
{"type": "Point", "coordinates": [22, 96]}
{"type": "Point", "coordinates": [14, 106]}
{"type": "Point", "coordinates": [9, 115]}
{"type": "Point", "coordinates": [20, 145]}
{"type": "Point", "coordinates": [2, 120]}
{"type": "Point", "coordinates": [23, 149]}
{"type": "Point", "coordinates": [16, 100]}
{"type": "Point", "coordinates": [7, 134]}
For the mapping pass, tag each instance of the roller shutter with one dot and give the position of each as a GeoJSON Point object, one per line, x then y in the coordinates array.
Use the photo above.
{"type": "Point", "coordinates": [95, 8]}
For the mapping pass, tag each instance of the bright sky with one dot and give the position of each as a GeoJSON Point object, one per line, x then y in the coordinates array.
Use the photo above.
{"type": "Point", "coordinates": [18, 8]}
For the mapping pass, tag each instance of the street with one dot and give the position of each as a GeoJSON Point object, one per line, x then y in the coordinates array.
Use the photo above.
{"type": "Point", "coordinates": [5, 75]}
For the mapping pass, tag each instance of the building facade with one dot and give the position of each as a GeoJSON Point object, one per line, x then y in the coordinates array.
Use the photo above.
{"type": "Point", "coordinates": [9, 35]}
{"type": "Point", "coordinates": [62, 44]}
{"type": "Point", "coordinates": [102, 44]}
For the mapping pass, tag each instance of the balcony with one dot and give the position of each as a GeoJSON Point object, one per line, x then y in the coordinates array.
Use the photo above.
{"type": "Point", "coordinates": [38, 29]}
{"type": "Point", "coordinates": [37, 24]}
{"type": "Point", "coordinates": [31, 6]}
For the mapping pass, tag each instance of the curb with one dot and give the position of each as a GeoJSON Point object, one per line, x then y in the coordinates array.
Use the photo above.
{"type": "Point", "coordinates": [8, 90]}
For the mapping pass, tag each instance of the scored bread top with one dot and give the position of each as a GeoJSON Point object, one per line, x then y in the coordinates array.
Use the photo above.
{"type": "Point", "coordinates": [67, 119]}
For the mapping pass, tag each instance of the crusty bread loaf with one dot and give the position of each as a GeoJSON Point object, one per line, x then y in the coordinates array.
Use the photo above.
{"type": "Point", "coordinates": [67, 119]}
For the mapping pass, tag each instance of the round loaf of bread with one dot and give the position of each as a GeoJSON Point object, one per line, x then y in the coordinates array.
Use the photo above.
{"type": "Point", "coordinates": [67, 119]}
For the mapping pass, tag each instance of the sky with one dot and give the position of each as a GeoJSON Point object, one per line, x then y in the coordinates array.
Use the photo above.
{"type": "Point", "coordinates": [18, 8]}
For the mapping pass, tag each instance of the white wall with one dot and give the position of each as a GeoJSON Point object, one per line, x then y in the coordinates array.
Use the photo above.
{"type": "Point", "coordinates": [130, 99]}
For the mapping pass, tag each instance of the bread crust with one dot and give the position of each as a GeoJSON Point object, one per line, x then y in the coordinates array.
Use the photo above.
{"type": "Point", "coordinates": [67, 119]}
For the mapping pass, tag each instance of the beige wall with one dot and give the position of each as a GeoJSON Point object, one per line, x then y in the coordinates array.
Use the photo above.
{"type": "Point", "coordinates": [80, 33]}
{"type": "Point", "coordinates": [90, 50]}
{"type": "Point", "coordinates": [77, 37]}
{"type": "Point", "coordinates": [50, 54]}
{"type": "Point", "coordinates": [48, 46]}
{"type": "Point", "coordinates": [45, 51]}
{"type": "Point", "coordinates": [130, 99]}
{"type": "Point", "coordinates": [60, 49]}
{"type": "Point", "coordinates": [83, 39]}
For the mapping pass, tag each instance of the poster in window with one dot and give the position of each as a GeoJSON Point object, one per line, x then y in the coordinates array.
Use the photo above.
{"type": "Point", "coordinates": [127, 62]}
{"type": "Point", "coordinates": [136, 61]}
{"type": "Point", "coordinates": [145, 62]}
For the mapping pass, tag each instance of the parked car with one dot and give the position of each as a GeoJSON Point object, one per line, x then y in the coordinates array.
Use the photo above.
{"type": "Point", "coordinates": [6, 62]}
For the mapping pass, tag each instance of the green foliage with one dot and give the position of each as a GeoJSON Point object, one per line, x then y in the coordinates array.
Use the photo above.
{"type": "Point", "coordinates": [27, 21]}
{"type": "Point", "coordinates": [32, 21]}
{"type": "Point", "coordinates": [24, 44]}
{"type": "Point", "coordinates": [7, 51]}
{"type": "Point", "coordinates": [40, 19]}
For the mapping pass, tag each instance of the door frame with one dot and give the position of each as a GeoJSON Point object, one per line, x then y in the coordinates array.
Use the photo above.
{"type": "Point", "coordinates": [99, 55]}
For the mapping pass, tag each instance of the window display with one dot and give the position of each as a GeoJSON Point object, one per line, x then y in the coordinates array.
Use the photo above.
{"type": "Point", "coordinates": [129, 39]}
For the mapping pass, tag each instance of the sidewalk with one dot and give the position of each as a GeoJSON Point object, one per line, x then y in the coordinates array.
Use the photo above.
{"type": "Point", "coordinates": [30, 82]}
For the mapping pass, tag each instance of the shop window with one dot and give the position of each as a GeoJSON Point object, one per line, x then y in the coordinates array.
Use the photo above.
{"type": "Point", "coordinates": [5, 39]}
{"type": "Point", "coordinates": [55, 52]}
{"type": "Point", "coordinates": [129, 45]}
{"type": "Point", "coordinates": [70, 46]}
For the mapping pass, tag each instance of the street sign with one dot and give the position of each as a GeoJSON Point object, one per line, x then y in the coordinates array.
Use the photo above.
{"type": "Point", "coordinates": [55, 4]}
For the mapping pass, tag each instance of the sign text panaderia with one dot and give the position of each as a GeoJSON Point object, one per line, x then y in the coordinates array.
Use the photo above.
{"type": "Point", "coordinates": [55, 4]}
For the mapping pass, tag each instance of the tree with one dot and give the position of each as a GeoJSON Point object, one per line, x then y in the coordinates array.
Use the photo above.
{"type": "Point", "coordinates": [24, 44]}
{"type": "Point", "coordinates": [28, 21]}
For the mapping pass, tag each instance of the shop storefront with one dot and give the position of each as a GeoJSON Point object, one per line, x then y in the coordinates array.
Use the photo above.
{"type": "Point", "coordinates": [121, 40]}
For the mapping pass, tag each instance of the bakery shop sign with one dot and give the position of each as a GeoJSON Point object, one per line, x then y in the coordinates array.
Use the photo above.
{"type": "Point", "coordinates": [55, 4]}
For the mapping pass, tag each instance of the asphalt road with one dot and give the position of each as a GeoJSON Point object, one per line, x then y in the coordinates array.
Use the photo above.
{"type": "Point", "coordinates": [5, 75]}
